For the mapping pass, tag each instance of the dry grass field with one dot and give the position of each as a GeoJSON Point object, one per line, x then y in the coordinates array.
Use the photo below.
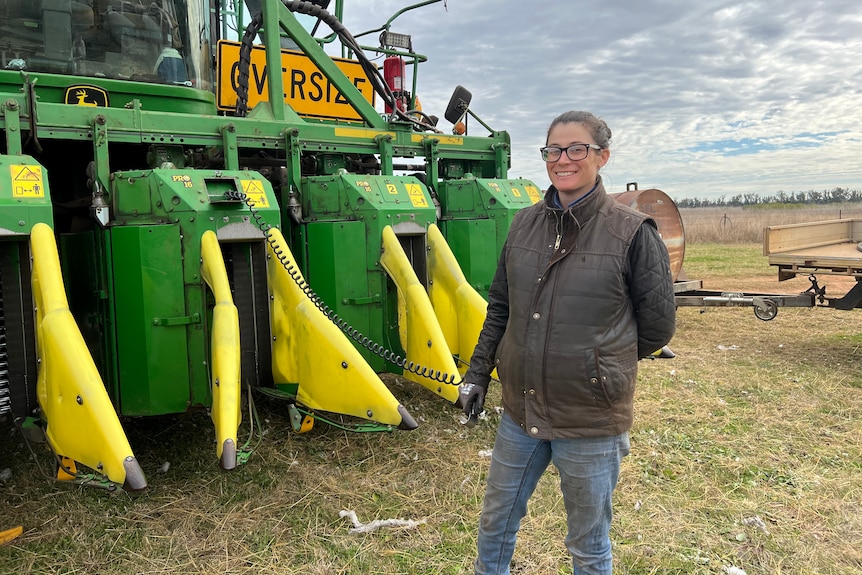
{"type": "Point", "coordinates": [745, 224]}
{"type": "Point", "coordinates": [746, 458]}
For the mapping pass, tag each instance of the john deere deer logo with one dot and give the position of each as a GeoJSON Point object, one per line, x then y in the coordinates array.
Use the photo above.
{"type": "Point", "coordinates": [79, 95]}
{"type": "Point", "coordinates": [82, 98]}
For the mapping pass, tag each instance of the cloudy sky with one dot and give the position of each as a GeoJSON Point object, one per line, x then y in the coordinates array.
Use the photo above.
{"type": "Point", "coordinates": [704, 98]}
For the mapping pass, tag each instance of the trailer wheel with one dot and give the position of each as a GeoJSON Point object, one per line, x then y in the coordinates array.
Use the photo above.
{"type": "Point", "coordinates": [765, 309]}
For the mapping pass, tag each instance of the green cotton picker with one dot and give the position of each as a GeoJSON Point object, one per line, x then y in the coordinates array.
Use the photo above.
{"type": "Point", "coordinates": [181, 227]}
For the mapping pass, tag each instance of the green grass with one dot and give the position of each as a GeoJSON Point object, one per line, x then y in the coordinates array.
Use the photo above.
{"type": "Point", "coordinates": [740, 260]}
{"type": "Point", "coordinates": [745, 455]}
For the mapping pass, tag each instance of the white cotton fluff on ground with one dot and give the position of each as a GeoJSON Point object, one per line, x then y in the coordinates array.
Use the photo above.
{"type": "Point", "coordinates": [359, 527]}
{"type": "Point", "coordinates": [756, 521]}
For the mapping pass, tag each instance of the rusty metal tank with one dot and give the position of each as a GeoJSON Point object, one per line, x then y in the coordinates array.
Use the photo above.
{"type": "Point", "coordinates": [659, 206]}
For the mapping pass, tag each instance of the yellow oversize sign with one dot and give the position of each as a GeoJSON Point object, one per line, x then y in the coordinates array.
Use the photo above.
{"type": "Point", "coordinates": [306, 89]}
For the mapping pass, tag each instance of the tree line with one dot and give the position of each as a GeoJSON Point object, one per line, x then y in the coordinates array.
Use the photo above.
{"type": "Point", "coordinates": [837, 195]}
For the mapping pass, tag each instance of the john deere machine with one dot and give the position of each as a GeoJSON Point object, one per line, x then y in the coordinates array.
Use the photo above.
{"type": "Point", "coordinates": [180, 223]}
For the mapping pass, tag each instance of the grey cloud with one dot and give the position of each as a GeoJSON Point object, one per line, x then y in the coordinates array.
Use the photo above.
{"type": "Point", "coordinates": [670, 77]}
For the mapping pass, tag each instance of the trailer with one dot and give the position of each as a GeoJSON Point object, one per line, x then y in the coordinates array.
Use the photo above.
{"type": "Point", "coordinates": [830, 247]}
{"type": "Point", "coordinates": [690, 292]}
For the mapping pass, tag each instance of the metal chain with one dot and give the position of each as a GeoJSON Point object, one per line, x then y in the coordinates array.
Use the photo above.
{"type": "Point", "coordinates": [342, 324]}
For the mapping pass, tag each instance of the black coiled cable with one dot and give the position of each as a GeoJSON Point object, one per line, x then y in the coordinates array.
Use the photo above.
{"type": "Point", "coordinates": [340, 323]}
{"type": "Point", "coordinates": [245, 62]}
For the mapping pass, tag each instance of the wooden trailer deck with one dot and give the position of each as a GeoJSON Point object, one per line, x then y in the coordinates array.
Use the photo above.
{"type": "Point", "coordinates": [831, 247]}
{"type": "Point", "coordinates": [827, 247]}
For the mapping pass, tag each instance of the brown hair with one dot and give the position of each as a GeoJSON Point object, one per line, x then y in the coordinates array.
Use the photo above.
{"type": "Point", "coordinates": [596, 126]}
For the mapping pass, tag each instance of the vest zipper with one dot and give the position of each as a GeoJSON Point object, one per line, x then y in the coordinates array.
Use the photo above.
{"type": "Point", "coordinates": [559, 231]}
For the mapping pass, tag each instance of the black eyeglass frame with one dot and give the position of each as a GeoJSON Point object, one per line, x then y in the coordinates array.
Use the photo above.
{"type": "Point", "coordinates": [586, 147]}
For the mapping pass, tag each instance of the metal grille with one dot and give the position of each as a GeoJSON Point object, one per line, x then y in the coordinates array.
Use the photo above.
{"type": "Point", "coordinates": [17, 337]}
{"type": "Point", "coordinates": [5, 391]}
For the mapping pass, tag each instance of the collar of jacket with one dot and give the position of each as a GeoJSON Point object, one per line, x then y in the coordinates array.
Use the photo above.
{"type": "Point", "coordinates": [583, 210]}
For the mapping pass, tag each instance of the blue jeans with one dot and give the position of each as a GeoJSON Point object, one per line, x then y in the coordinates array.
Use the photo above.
{"type": "Point", "coordinates": [588, 468]}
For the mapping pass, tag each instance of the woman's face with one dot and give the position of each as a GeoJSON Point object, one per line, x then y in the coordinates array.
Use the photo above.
{"type": "Point", "coordinates": [574, 178]}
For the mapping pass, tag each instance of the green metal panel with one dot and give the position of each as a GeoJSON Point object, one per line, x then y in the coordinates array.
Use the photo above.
{"type": "Point", "coordinates": [25, 199]}
{"type": "Point", "coordinates": [151, 320]}
{"type": "Point", "coordinates": [474, 244]}
{"type": "Point", "coordinates": [386, 200]}
{"type": "Point", "coordinates": [198, 297]}
{"type": "Point", "coordinates": [153, 97]}
{"type": "Point", "coordinates": [343, 242]}
{"type": "Point", "coordinates": [193, 198]}
{"type": "Point", "coordinates": [339, 266]}
{"type": "Point", "coordinates": [476, 215]}
{"type": "Point", "coordinates": [135, 199]}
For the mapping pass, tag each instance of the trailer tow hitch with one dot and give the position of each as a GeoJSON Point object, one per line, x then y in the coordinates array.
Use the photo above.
{"type": "Point", "coordinates": [818, 291]}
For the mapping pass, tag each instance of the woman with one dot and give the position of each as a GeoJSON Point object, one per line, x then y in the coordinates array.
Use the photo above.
{"type": "Point", "coordinates": [582, 290]}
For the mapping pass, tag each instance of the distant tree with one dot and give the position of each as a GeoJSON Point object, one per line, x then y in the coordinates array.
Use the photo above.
{"type": "Point", "coordinates": [839, 194]}
{"type": "Point", "coordinates": [751, 199]}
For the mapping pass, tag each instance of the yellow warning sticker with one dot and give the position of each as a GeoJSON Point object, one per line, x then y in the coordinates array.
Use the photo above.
{"type": "Point", "coordinates": [27, 181]}
{"type": "Point", "coordinates": [253, 189]}
{"type": "Point", "coordinates": [416, 196]}
{"type": "Point", "coordinates": [534, 194]}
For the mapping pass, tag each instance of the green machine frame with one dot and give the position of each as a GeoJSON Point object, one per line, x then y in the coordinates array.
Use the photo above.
{"type": "Point", "coordinates": [137, 179]}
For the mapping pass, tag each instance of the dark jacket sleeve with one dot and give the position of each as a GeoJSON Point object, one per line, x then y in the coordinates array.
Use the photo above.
{"type": "Point", "coordinates": [482, 362]}
{"type": "Point", "coordinates": [651, 289]}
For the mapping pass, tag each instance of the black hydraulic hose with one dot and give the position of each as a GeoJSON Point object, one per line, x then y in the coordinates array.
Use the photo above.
{"type": "Point", "coordinates": [245, 62]}
{"type": "Point", "coordinates": [378, 83]}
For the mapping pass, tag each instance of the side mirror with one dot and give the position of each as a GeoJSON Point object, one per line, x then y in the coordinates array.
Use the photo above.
{"type": "Point", "coordinates": [458, 104]}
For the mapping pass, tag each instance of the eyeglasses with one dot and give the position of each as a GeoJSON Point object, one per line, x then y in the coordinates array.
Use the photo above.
{"type": "Point", "coordinates": [574, 152]}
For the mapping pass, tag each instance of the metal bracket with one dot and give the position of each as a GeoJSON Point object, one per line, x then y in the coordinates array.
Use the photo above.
{"type": "Point", "coordinates": [384, 142]}
{"type": "Point", "coordinates": [231, 151]}
{"type": "Point", "coordinates": [850, 299]}
{"type": "Point", "coordinates": [12, 116]}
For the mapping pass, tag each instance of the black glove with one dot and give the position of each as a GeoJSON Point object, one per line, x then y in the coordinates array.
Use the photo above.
{"type": "Point", "coordinates": [472, 398]}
